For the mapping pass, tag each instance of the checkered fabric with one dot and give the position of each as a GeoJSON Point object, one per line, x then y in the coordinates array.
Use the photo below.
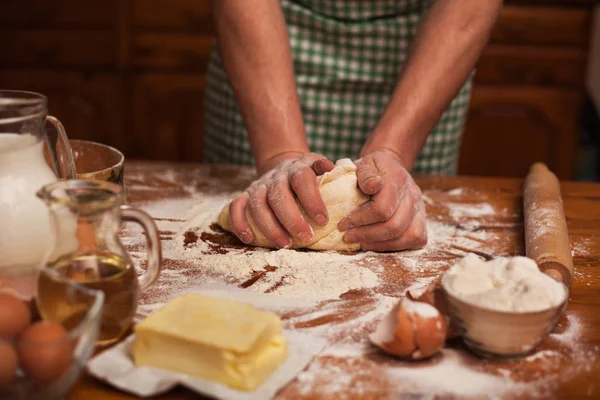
{"type": "Point", "coordinates": [347, 56]}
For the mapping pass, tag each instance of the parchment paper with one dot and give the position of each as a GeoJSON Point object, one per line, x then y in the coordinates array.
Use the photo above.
{"type": "Point", "coordinates": [115, 367]}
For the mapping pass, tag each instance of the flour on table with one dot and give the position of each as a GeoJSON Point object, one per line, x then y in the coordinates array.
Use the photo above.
{"type": "Point", "coordinates": [458, 210]}
{"type": "Point", "coordinates": [451, 376]}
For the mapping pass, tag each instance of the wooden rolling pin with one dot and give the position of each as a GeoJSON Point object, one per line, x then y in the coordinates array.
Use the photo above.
{"type": "Point", "coordinates": [546, 233]}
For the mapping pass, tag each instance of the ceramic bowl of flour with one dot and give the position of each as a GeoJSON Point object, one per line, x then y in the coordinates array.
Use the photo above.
{"type": "Point", "coordinates": [502, 307]}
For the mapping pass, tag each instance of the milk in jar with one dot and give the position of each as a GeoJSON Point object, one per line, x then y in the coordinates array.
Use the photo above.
{"type": "Point", "coordinates": [24, 218]}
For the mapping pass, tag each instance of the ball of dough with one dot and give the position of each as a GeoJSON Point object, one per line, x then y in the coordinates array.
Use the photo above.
{"type": "Point", "coordinates": [340, 192]}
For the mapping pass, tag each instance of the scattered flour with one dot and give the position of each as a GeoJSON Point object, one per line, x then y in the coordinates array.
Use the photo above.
{"type": "Point", "coordinates": [542, 220]}
{"type": "Point", "coordinates": [452, 376]}
{"type": "Point", "coordinates": [458, 210]}
{"type": "Point", "coordinates": [456, 192]}
{"type": "Point", "coordinates": [541, 355]}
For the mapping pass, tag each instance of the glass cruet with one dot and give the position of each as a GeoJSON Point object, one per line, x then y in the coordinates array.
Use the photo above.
{"type": "Point", "coordinates": [87, 218]}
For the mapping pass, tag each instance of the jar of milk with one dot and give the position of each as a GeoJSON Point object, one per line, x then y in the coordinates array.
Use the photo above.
{"type": "Point", "coordinates": [25, 232]}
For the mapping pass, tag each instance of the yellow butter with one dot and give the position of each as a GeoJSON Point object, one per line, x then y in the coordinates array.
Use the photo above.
{"type": "Point", "coordinates": [213, 338]}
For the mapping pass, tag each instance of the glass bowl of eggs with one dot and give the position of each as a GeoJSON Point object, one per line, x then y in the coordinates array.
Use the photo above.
{"type": "Point", "coordinates": [40, 357]}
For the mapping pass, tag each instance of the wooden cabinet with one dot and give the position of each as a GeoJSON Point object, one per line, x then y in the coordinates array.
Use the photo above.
{"type": "Point", "coordinates": [89, 105]}
{"type": "Point", "coordinates": [167, 116]}
{"type": "Point", "coordinates": [528, 92]}
{"type": "Point", "coordinates": [131, 73]}
{"type": "Point", "coordinates": [508, 128]}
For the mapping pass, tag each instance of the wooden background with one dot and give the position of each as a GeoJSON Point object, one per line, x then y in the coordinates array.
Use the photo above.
{"type": "Point", "coordinates": [131, 73]}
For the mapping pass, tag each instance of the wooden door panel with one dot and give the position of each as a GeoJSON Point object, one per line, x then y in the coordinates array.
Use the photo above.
{"type": "Point", "coordinates": [542, 25]}
{"type": "Point", "coordinates": [58, 13]}
{"type": "Point", "coordinates": [514, 65]}
{"type": "Point", "coordinates": [93, 48]}
{"type": "Point", "coordinates": [167, 116]}
{"type": "Point", "coordinates": [188, 52]}
{"type": "Point", "coordinates": [173, 15]}
{"type": "Point", "coordinates": [90, 107]}
{"type": "Point", "coordinates": [508, 129]}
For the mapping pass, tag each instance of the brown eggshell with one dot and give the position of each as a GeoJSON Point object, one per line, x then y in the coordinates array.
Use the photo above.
{"type": "Point", "coordinates": [394, 334]}
{"type": "Point", "coordinates": [14, 316]}
{"type": "Point", "coordinates": [45, 351]}
{"type": "Point", "coordinates": [404, 334]}
{"type": "Point", "coordinates": [430, 333]}
{"type": "Point", "coordinates": [436, 298]}
{"type": "Point", "coordinates": [8, 364]}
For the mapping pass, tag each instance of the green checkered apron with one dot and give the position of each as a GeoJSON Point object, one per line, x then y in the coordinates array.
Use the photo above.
{"type": "Point", "coordinates": [347, 56]}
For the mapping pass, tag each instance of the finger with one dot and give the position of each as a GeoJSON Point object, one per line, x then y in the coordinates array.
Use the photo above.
{"type": "Point", "coordinates": [322, 166]}
{"type": "Point", "coordinates": [380, 208]}
{"type": "Point", "coordinates": [281, 200]}
{"type": "Point", "coordinates": [237, 216]}
{"type": "Point", "coordinates": [392, 229]}
{"type": "Point", "coordinates": [304, 184]}
{"type": "Point", "coordinates": [415, 237]}
{"type": "Point", "coordinates": [369, 176]}
{"type": "Point", "coordinates": [265, 219]}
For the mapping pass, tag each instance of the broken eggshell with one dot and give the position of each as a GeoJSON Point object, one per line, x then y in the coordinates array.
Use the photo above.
{"type": "Point", "coordinates": [412, 329]}
{"type": "Point", "coordinates": [437, 299]}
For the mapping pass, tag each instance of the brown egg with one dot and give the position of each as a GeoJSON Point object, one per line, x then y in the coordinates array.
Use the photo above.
{"type": "Point", "coordinates": [45, 351]}
{"type": "Point", "coordinates": [8, 364]}
{"type": "Point", "coordinates": [411, 330]}
{"type": "Point", "coordinates": [14, 316]}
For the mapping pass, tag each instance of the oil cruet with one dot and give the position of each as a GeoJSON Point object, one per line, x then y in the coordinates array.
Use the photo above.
{"type": "Point", "coordinates": [24, 168]}
{"type": "Point", "coordinates": [87, 217]}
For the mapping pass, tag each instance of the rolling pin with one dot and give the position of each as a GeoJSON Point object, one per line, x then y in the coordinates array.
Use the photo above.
{"type": "Point", "coordinates": [546, 233]}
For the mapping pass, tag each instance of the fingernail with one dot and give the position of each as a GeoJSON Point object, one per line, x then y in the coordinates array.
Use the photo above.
{"type": "Point", "coordinates": [345, 224]}
{"type": "Point", "coordinates": [246, 237]}
{"type": "Point", "coordinates": [304, 237]}
{"type": "Point", "coordinates": [369, 182]}
{"type": "Point", "coordinates": [350, 238]}
{"type": "Point", "coordinates": [321, 220]}
{"type": "Point", "coordinates": [283, 243]}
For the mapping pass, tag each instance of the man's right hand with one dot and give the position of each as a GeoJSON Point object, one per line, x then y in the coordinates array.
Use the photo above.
{"type": "Point", "coordinates": [271, 202]}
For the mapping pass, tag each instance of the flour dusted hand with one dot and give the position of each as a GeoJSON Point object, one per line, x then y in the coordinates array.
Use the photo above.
{"type": "Point", "coordinates": [340, 193]}
{"type": "Point", "coordinates": [395, 217]}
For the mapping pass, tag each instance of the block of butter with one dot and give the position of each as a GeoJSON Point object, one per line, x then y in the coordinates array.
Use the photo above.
{"type": "Point", "coordinates": [213, 338]}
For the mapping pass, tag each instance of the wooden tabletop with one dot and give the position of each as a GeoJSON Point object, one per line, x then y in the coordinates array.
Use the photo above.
{"type": "Point", "coordinates": [466, 214]}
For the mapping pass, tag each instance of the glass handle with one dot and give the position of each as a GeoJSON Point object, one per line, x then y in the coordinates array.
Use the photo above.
{"type": "Point", "coordinates": [63, 160]}
{"type": "Point", "coordinates": [154, 259]}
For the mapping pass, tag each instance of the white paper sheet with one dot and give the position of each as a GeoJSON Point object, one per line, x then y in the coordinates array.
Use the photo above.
{"type": "Point", "coordinates": [115, 366]}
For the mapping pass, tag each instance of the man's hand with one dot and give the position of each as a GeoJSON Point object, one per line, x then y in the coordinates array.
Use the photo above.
{"type": "Point", "coordinates": [394, 218]}
{"type": "Point", "coordinates": [271, 204]}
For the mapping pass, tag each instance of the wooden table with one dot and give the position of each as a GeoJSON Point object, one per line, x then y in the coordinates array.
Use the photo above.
{"type": "Point", "coordinates": [567, 364]}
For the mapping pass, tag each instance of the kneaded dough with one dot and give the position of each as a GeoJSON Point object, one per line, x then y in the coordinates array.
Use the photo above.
{"type": "Point", "coordinates": [340, 192]}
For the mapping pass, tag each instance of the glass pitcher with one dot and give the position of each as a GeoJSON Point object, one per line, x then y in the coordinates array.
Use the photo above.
{"type": "Point", "coordinates": [87, 217]}
{"type": "Point", "coordinates": [26, 233]}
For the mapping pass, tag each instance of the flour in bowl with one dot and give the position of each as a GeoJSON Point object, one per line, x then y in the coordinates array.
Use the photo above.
{"type": "Point", "coordinates": [504, 284]}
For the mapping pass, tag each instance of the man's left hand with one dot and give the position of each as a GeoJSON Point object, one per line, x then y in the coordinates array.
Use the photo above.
{"type": "Point", "coordinates": [394, 218]}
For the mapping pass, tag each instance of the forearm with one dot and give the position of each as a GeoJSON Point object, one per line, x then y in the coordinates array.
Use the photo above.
{"type": "Point", "coordinates": [448, 43]}
{"type": "Point", "coordinates": [255, 50]}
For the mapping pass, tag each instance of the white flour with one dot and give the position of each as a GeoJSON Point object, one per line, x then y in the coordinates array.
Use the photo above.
{"type": "Point", "coordinates": [503, 284]}
{"type": "Point", "coordinates": [458, 210]}
{"type": "Point", "coordinates": [451, 376]}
